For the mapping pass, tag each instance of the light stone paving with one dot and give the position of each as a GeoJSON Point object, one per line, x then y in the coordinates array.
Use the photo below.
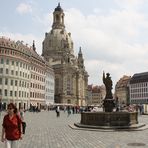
{"type": "Point", "coordinates": [45, 130]}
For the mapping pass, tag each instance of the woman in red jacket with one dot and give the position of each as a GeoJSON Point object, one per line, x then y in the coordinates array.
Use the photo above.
{"type": "Point", "coordinates": [12, 127]}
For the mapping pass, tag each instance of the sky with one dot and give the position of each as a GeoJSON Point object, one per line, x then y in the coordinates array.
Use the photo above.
{"type": "Point", "coordinates": [113, 34]}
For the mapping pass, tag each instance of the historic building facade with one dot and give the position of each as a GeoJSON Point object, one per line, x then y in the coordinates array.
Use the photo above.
{"type": "Point", "coordinates": [96, 94]}
{"type": "Point", "coordinates": [71, 78]}
{"type": "Point", "coordinates": [139, 88]}
{"type": "Point", "coordinates": [122, 90]}
{"type": "Point", "coordinates": [23, 75]}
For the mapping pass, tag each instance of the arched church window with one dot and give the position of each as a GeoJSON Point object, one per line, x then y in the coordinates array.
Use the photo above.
{"type": "Point", "coordinates": [62, 19]}
{"type": "Point", "coordinates": [57, 18]}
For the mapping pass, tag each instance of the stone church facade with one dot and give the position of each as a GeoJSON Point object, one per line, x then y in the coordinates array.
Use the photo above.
{"type": "Point", "coordinates": [71, 78]}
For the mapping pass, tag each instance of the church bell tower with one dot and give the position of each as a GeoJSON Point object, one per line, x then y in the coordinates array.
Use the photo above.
{"type": "Point", "coordinates": [58, 18]}
{"type": "Point", "coordinates": [71, 78]}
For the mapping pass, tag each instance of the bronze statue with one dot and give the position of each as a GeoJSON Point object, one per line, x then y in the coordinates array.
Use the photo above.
{"type": "Point", "coordinates": [108, 84]}
{"type": "Point", "coordinates": [108, 101]}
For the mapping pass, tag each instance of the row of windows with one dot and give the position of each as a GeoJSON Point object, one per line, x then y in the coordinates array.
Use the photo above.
{"type": "Point", "coordinates": [139, 85]}
{"type": "Point", "coordinates": [33, 85]}
{"type": "Point", "coordinates": [22, 83]}
{"type": "Point", "coordinates": [25, 75]}
{"type": "Point", "coordinates": [25, 54]}
{"type": "Point", "coordinates": [138, 101]}
{"type": "Point", "coordinates": [37, 70]}
{"type": "Point", "coordinates": [12, 93]}
{"type": "Point", "coordinates": [33, 76]}
{"type": "Point", "coordinates": [16, 63]}
{"type": "Point", "coordinates": [138, 90]}
{"type": "Point", "coordinates": [7, 71]}
{"type": "Point", "coordinates": [22, 94]}
{"type": "Point", "coordinates": [14, 82]}
{"type": "Point", "coordinates": [37, 95]}
{"type": "Point", "coordinates": [14, 53]}
{"type": "Point", "coordinates": [139, 95]}
{"type": "Point", "coordinates": [23, 65]}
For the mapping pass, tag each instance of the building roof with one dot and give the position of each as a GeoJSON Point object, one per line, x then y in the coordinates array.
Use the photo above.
{"type": "Point", "coordinates": [139, 77]}
{"type": "Point", "coordinates": [18, 45]}
{"type": "Point", "coordinates": [123, 82]}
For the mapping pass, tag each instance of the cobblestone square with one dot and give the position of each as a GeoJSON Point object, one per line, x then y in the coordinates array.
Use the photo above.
{"type": "Point", "coordinates": [45, 130]}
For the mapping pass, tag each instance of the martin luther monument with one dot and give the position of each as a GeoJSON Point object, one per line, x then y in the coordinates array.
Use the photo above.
{"type": "Point", "coordinates": [108, 103]}
{"type": "Point", "coordinates": [109, 119]}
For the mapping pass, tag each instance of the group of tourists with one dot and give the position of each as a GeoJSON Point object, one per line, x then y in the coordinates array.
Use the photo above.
{"type": "Point", "coordinates": [69, 109]}
{"type": "Point", "coordinates": [13, 126]}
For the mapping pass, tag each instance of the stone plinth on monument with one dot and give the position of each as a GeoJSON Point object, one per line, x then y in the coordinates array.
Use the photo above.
{"type": "Point", "coordinates": [109, 118]}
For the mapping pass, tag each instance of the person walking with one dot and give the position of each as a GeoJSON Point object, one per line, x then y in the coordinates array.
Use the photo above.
{"type": "Point", "coordinates": [21, 114]}
{"type": "Point", "coordinates": [58, 111]}
{"type": "Point", "coordinates": [68, 111]}
{"type": "Point", "coordinates": [11, 127]}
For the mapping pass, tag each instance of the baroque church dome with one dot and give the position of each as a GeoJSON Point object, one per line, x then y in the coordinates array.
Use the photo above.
{"type": "Point", "coordinates": [58, 40]}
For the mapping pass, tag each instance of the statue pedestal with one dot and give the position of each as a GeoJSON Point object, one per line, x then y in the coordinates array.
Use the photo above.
{"type": "Point", "coordinates": [120, 119]}
{"type": "Point", "coordinates": [108, 105]}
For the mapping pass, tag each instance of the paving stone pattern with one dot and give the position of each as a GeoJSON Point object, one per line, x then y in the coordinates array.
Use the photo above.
{"type": "Point", "coordinates": [45, 130]}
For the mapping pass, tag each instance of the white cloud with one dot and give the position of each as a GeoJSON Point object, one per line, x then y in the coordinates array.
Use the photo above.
{"type": "Point", "coordinates": [130, 4]}
{"type": "Point", "coordinates": [23, 8]}
{"type": "Point", "coordinates": [109, 42]}
{"type": "Point", "coordinates": [45, 20]}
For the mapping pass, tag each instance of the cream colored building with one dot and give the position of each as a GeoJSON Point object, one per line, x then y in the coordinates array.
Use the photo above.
{"type": "Point", "coordinates": [96, 94]}
{"type": "Point", "coordinates": [14, 73]}
{"type": "Point", "coordinates": [122, 90]}
{"type": "Point", "coordinates": [22, 74]}
{"type": "Point", "coordinates": [71, 77]}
